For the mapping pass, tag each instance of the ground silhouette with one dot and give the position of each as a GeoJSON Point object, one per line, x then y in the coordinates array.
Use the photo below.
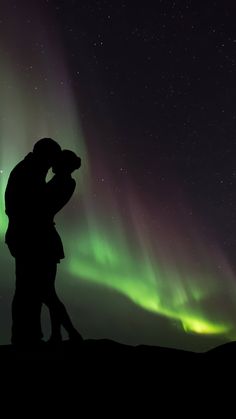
{"type": "Point", "coordinates": [92, 349]}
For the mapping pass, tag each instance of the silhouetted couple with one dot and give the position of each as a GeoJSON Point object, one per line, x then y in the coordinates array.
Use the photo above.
{"type": "Point", "coordinates": [31, 204]}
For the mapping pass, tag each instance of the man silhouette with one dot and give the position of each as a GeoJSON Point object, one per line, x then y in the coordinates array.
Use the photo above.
{"type": "Point", "coordinates": [28, 238]}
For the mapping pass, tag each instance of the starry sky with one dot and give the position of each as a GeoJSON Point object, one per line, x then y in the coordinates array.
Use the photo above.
{"type": "Point", "coordinates": [146, 96]}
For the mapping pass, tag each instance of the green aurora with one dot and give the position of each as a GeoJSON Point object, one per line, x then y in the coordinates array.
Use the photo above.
{"type": "Point", "coordinates": [110, 243]}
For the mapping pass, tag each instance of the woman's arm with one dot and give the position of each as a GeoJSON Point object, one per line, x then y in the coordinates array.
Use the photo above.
{"type": "Point", "coordinates": [59, 190]}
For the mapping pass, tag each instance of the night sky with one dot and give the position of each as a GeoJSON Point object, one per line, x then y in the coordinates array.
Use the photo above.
{"type": "Point", "coordinates": [146, 95]}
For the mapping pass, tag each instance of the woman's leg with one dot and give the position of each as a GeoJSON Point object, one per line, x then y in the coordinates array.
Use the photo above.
{"type": "Point", "coordinates": [58, 313]}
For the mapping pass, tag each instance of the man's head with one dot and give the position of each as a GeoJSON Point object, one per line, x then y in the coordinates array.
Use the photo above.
{"type": "Point", "coordinates": [46, 151]}
{"type": "Point", "coordinates": [67, 162]}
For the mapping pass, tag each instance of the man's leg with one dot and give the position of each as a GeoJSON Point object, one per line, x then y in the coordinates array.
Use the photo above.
{"type": "Point", "coordinates": [26, 304]}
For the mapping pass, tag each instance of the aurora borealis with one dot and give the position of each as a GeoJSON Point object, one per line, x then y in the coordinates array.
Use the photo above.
{"type": "Point", "coordinates": [149, 233]}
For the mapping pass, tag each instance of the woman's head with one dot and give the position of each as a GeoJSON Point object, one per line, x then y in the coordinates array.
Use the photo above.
{"type": "Point", "coordinates": [66, 162]}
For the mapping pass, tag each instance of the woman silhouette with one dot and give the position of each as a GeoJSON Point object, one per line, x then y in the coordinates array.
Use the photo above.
{"type": "Point", "coordinates": [59, 191]}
